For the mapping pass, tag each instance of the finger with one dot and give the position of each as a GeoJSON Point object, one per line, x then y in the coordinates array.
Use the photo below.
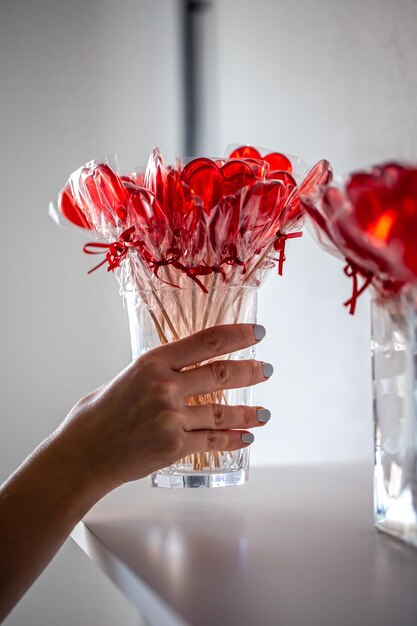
{"type": "Point", "coordinates": [221, 440]}
{"type": "Point", "coordinates": [210, 343]}
{"type": "Point", "coordinates": [226, 374]}
{"type": "Point", "coordinates": [223, 417]}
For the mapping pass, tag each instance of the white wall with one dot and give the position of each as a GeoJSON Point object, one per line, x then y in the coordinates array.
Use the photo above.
{"type": "Point", "coordinates": [83, 78]}
{"type": "Point", "coordinates": [78, 79]}
{"type": "Point", "coordinates": [325, 79]}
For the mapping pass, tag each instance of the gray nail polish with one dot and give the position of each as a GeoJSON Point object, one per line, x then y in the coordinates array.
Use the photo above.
{"type": "Point", "coordinates": [268, 370]}
{"type": "Point", "coordinates": [247, 438]}
{"type": "Point", "coordinates": [263, 415]}
{"type": "Point", "coordinates": [259, 332]}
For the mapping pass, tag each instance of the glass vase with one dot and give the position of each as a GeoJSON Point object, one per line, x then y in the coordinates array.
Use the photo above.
{"type": "Point", "coordinates": [157, 317]}
{"type": "Point", "coordinates": [394, 353]}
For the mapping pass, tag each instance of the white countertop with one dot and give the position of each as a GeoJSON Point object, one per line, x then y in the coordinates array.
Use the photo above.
{"type": "Point", "coordinates": [294, 546]}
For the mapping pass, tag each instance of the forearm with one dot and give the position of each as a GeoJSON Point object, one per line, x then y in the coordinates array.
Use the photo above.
{"type": "Point", "coordinates": [39, 506]}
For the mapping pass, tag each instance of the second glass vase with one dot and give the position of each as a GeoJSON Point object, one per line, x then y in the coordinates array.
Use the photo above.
{"type": "Point", "coordinates": [160, 316]}
{"type": "Point", "coordinates": [394, 351]}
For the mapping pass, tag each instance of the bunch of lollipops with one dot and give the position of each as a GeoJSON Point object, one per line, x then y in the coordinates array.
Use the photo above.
{"type": "Point", "coordinates": [203, 223]}
{"type": "Point", "coordinates": [187, 240]}
{"type": "Point", "coordinates": [370, 220]}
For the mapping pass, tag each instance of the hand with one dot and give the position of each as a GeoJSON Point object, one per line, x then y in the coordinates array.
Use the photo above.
{"type": "Point", "coordinates": [140, 421]}
{"type": "Point", "coordinates": [125, 430]}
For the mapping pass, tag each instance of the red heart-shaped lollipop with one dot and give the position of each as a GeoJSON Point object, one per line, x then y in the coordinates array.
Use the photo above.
{"type": "Point", "coordinates": [236, 174]}
{"type": "Point", "coordinates": [179, 199]}
{"type": "Point", "coordinates": [101, 193]}
{"type": "Point", "coordinates": [70, 209]}
{"type": "Point", "coordinates": [384, 203]}
{"type": "Point", "coordinates": [261, 212]}
{"type": "Point", "coordinates": [222, 229]}
{"type": "Point", "coordinates": [212, 181]}
{"type": "Point", "coordinates": [278, 162]}
{"type": "Point", "coordinates": [146, 215]}
{"type": "Point", "coordinates": [245, 152]}
{"type": "Point", "coordinates": [259, 167]}
{"type": "Point", "coordinates": [187, 216]}
{"type": "Point", "coordinates": [205, 180]}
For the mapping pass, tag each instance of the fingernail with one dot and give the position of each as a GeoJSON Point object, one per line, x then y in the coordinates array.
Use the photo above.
{"type": "Point", "coordinates": [263, 415]}
{"type": "Point", "coordinates": [247, 438]}
{"type": "Point", "coordinates": [259, 332]}
{"type": "Point", "coordinates": [267, 369]}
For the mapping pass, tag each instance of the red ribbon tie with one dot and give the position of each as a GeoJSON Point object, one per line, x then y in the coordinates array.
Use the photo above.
{"type": "Point", "coordinates": [279, 246]}
{"type": "Point", "coordinates": [352, 271]}
{"type": "Point", "coordinates": [116, 251]}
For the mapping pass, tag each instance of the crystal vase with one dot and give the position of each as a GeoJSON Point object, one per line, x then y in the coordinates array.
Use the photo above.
{"type": "Point", "coordinates": [160, 316]}
{"type": "Point", "coordinates": [394, 354]}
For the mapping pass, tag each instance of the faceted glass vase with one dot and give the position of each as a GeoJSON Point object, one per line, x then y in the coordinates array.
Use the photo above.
{"type": "Point", "coordinates": [394, 353]}
{"type": "Point", "coordinates": [157, 317]}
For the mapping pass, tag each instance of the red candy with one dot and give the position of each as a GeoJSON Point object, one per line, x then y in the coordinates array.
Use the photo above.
{"type": "Point", "coordinates": [211, 181]}
{"type": "Point", "coordinates": [70, 209]}
{"type": "Point", "coordinates": [385, 206]}
{"type": "Point", "coordinates": [245, 152]}
{"type": "Point", "coordinates": [205, 180]}
{"type": "Point", "coordinates": [101, 189]}
{"type": "Point", "coordinates": [278, 162]}
{"type": "Point", "coordinates": [146, 215]}
{"type": "Point", "coordinates": [372, 222]}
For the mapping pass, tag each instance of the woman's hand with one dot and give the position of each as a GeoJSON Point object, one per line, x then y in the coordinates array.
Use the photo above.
{"type": "Point", "coordinates": [136, 424]}
{"type": "Point", "coordinates": [140, 421]}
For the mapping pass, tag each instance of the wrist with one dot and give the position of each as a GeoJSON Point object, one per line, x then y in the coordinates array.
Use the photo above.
{"type": "Point", "coordinates": [72, 478]}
